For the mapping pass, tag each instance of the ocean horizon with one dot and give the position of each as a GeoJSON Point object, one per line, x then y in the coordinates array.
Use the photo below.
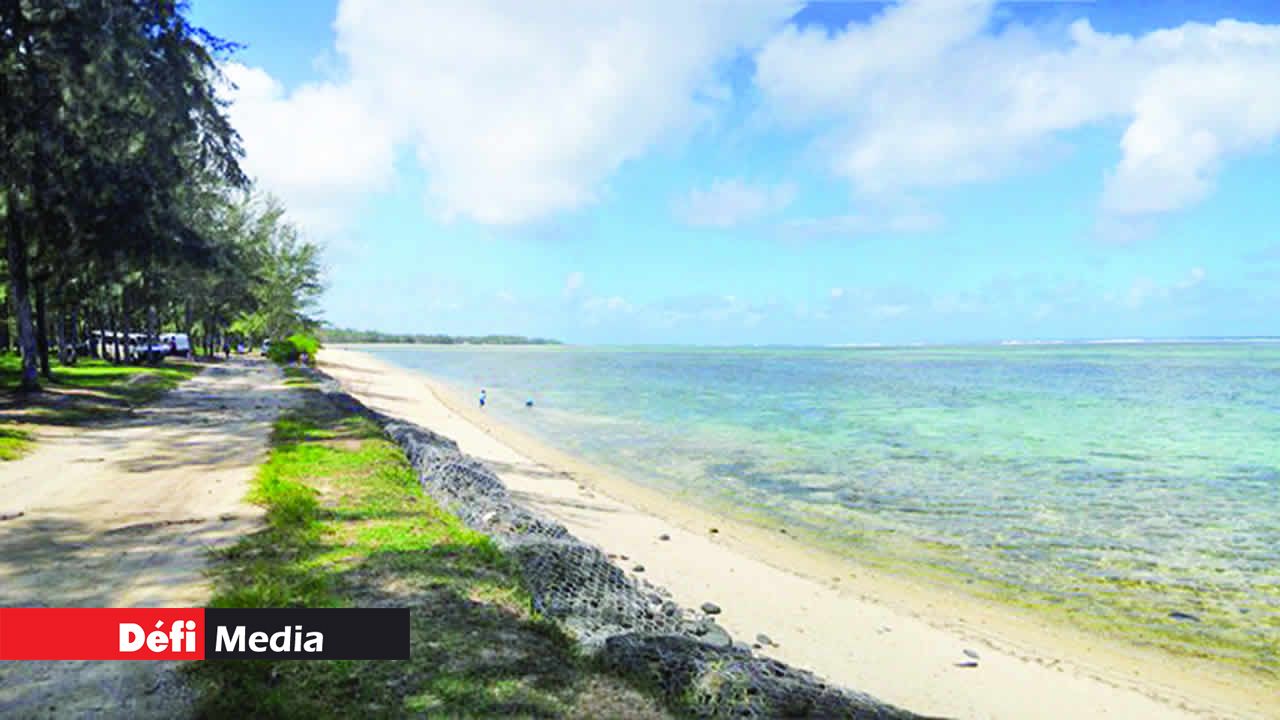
{"type": "Point", "coordinates": [1155, 340]}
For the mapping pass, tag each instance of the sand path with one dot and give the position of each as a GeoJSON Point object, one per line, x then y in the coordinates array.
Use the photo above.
{"type": "Point", "coordinates": [902, 643]}
{"type": "Point", "coordinates": [121, 514]}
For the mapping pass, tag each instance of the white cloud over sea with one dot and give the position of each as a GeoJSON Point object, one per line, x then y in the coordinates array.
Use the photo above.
{"type": "Point", "coordinates": [927, 95]}
{"type": "Point", "coordinates": [518, 111]}
{"type": "Point", "coordinates": [514, 110]}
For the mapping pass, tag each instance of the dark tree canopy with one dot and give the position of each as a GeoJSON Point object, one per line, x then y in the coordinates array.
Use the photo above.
{"type": "Point", "coordinates": [124, 204]}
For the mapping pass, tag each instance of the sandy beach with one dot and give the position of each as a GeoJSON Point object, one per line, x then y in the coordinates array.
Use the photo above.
{"type": "Point", "coordinates": [930, 649]}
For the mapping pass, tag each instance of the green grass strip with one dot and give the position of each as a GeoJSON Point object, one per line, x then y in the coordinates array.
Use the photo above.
{"type": "Point", "coordinates": [347, 525]}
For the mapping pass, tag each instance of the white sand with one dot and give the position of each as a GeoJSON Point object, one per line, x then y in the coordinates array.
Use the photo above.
{"type": "Point", "coordinates": [896, 639]}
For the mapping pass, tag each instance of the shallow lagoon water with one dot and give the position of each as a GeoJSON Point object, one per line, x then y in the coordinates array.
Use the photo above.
{"type": "Point", "coordinates": [1128, 486]}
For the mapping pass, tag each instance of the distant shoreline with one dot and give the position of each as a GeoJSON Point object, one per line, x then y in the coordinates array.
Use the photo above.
{"type": "Point", "coordinates": [339, 336]}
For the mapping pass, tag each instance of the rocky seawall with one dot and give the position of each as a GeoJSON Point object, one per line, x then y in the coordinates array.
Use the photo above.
{"type": "Point", "coordinates": [628, 624]}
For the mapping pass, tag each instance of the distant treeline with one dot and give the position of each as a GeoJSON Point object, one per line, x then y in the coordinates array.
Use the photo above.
{"type": "Point", "coordinates": [344, 335]}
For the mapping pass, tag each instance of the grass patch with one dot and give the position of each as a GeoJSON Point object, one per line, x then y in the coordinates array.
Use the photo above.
{"type": "Point", "coordinates": [89, 391]}
{"type": "Point", "coordinates": [131, 384]}
{"type": "Point", "coordinates": [348, 526]}
{"type": "Point", "coordinates": [14, 442]}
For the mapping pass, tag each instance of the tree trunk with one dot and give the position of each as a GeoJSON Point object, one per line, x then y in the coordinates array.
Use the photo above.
{"type": "Point", "coordinates": [124, 328]}
{"type": "Point", "coordinates": [75, 331]}
{"type": "Point", "coordinates": [19, 285]}
{"type": "Point", "coordinates": [115, 336]}
{"type": "Point", "coordinates": [188, 326]}
{"type": "Point", "coordinates": [42, 333]}
{"type": "Point", "coordinates": [90, 322]}
{"type": "Point", "coordinates": [60, 336]}
{"type": "Point", "coordinates": [5, 337]}
{"type": "Point", "coordinates": [98, 343]}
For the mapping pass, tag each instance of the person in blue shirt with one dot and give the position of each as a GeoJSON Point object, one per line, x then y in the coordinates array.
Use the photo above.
{"type": "Point", "coordinates": [482, 397]}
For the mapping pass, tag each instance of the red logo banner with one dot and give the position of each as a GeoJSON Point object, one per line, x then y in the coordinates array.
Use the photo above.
{"type": "Point", "coordinates": [101, 633]}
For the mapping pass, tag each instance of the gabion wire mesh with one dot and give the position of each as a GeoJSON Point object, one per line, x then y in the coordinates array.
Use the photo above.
{"type": "Point", "coordinates": [730, 682]}
{"type": "Point", "coordinates": [632, 626]}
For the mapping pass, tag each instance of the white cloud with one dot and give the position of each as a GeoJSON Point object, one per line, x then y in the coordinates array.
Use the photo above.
{"type": "Point", "coordinates": [515, 110]}
{"type": "Point", "coordinates": [1216, 97]}
{"type": "Point", "coordinates": [925, 95]}
{"type": "Point", "coordinates": [730, 202]}
{"type": "Point", "coordinates": [518, 110]}
{"type": "Point", "coordinates": [318, 148]}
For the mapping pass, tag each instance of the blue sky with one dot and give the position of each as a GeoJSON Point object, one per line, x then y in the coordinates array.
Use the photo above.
{"type": "Point", "coordinates": [770, 172]}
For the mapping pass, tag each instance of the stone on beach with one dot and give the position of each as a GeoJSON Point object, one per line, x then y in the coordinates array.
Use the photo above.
{"type": "Point", "coordinates": [715, 636]}
{"type": "Point", "coordinates": [710, 608]}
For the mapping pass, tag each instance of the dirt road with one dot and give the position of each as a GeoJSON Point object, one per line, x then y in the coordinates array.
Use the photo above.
{"type": "Point", "coordinates": [121, 515]}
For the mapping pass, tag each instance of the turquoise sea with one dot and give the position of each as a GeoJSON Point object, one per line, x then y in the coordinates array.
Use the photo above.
{"type": "Point", "coordinates": [1134, 488]}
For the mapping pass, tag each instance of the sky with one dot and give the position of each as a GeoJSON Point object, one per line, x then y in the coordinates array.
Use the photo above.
{"type": "Point", "coordinates": [772, 172]}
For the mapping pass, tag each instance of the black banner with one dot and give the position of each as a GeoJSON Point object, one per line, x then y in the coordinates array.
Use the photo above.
{"type": "Point", "coordinates": [307, 633]}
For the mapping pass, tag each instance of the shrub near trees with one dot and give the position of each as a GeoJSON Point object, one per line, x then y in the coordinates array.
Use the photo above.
{"type": "Point", "coordinates": [123, 206]}
{"type": "Point", "coordinates": [299, 347]}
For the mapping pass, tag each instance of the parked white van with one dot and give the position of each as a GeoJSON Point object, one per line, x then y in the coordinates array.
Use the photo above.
{"type": "Point", "coordinates": [131, 345]}
{"type": "Point", "coordinates": [137, 346]}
